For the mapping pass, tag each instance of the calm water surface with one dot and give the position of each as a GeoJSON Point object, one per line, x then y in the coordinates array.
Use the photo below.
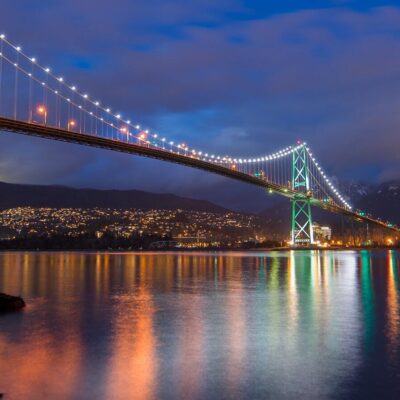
{"type": "Point", "coordinates": [267, 325]}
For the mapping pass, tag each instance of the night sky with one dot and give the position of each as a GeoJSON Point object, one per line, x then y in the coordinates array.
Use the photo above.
{"type": "Point", "coordinates": [229, 77]}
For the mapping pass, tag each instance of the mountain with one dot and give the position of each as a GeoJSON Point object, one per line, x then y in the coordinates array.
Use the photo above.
{"type": "Point", "coordinates": [383, 201]}
{"type": "Point", "coordinates": [18, 195]}
{"type": "Point", "coordinates": [380, 200]}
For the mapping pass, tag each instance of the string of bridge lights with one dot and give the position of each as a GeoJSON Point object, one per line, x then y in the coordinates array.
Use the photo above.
{"type": "Point", "coordinates": [326, 179]}
{"type": "Point", "coordinates": [289, 150]}
{"type": "Point", "coordinates": [85, 96]}
{"type": "Point", "coordinates": [274, 156]}
{"type": "Point", "coordinates": [142, 134]}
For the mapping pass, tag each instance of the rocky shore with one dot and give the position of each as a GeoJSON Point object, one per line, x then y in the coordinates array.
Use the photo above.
{"type": "Point", "coordinates": [10, 303]}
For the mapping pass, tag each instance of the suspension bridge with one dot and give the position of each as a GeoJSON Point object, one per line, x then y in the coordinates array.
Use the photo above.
{"type": "Point", "coordinates": [35, 101]}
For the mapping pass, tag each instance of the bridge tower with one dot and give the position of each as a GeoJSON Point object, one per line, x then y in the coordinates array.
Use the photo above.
{"type": "Point", "coordinates": [302, 230]}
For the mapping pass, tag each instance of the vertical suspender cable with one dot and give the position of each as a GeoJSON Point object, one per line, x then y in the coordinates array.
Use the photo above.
{"type": "Point", "coordinates": [45, 94]}
{"type": "Point", "coordinates": [30, 110]}
{"type": "Point", "coordinates": [16, 86]}
{"type": "Point", "coordinates": [59, 104]}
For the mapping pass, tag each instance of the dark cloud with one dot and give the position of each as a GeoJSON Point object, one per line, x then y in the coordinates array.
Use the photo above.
{"type": "Point", "coordinates": [222, 76]}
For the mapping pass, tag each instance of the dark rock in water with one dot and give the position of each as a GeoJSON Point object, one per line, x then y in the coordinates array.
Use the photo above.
{"type": "Point", "coordinates": [10, 303]}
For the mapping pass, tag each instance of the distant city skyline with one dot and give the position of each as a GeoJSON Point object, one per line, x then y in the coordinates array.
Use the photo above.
{"type": "Point", "coordinates": [233, 76]}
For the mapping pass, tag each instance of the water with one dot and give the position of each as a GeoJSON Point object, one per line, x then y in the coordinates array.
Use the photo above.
{"type": "Point", "coordinates": [265, 325]}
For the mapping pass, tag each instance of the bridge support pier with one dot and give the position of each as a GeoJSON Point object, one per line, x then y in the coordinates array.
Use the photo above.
{"type": "Point", "coordinates": [302, 229]}
{"type": "Point", "coordinates": [302, 226]}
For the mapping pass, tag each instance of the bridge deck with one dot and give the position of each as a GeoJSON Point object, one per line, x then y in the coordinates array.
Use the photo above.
{"type": "Point", "coordinates": [54, 133]}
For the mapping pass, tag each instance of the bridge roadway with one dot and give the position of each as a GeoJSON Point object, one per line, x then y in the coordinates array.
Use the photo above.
{"type": "Point", "coordinates": [54, 133]}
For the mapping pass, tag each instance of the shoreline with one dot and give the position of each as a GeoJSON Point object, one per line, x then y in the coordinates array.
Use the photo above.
{"type": "Point", "coordinates": [196, 250]}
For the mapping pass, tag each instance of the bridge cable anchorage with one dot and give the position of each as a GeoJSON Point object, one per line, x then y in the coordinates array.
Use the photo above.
{"type": "Point", "coordinates": [37, 101]}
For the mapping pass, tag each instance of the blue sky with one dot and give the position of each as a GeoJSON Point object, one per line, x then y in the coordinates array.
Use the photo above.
{"type": "Point", "coordinates": [227, 76]}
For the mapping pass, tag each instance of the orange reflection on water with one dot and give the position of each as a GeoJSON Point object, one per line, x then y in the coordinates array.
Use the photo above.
{"type": "Point", "coordinates": [132, 368]}
{"type": "Point", "coordinates": [45, 365]}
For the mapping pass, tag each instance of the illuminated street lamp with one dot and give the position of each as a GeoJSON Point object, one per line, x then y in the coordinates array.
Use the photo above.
{"type": "Point", "coordinates": [42, 110]}
{"type": "Point", "coordinates": [71, 124]}
{"type": "Point", "coordinates": [125, 131]}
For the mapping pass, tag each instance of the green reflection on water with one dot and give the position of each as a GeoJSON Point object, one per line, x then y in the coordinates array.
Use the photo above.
{"type": "Point", "coordinates": [367, 299]}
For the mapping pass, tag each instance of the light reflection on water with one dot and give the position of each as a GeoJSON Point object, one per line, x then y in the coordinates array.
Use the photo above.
{"type": "Point", "coordinates": [280, 325]}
